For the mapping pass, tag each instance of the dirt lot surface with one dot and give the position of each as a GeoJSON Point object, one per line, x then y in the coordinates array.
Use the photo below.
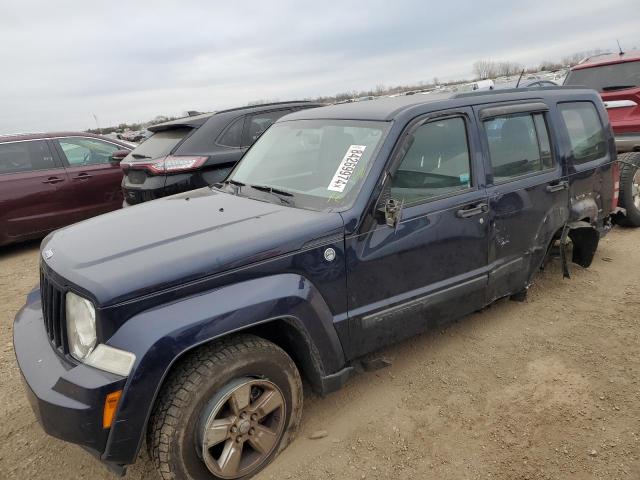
{"type": "Point", "coordinates": [546, 389]}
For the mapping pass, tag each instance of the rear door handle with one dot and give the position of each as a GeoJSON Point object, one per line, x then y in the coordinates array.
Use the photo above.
{"type": "Point", "coordinates": [82, 176]}
{"type": "Point", "coordinates": [472, 211]}
{"type": "Point", "coordinates": [557, 186]}
{"type": "Point", "coordinates": [53, 180]}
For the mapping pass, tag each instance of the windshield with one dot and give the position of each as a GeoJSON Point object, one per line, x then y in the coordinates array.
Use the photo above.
{"type": "Point", "coordinates": [159, 144]}
{"type": "Point", "coordinates": [607, 77]}
{"type": "Point", "coordinates": [315, 164]}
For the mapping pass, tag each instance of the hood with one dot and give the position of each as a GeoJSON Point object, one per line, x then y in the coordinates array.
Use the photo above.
{"type": "Point", "coordinates": [155, 245]}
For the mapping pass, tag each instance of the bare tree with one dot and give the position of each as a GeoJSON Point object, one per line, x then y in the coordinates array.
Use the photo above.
{"type": "Point", "coordinates": [485, 69]}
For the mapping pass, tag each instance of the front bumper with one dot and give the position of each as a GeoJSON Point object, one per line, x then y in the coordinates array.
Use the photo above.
{"type": "Point", "coordinates": [66, 397]}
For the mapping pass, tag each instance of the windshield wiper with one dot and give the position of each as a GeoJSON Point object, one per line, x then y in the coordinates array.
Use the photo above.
{"type": "Point", "coordinates": [235, 183]}
{"type": "Point", "coordinates": [616, 87]}
{"type": "Point", "coordinates": [139, 156]}
{"type": "Point", "coordinates": [275, 191]}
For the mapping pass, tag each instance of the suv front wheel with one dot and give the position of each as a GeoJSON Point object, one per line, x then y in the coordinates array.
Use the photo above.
{"type": "Point", "coordinates": [226, 411]}
{"type": "Point", "coordinates": [630, 189]}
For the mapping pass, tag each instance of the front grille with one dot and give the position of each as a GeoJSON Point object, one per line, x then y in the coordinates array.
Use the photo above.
{"type": "Point", "coordinates": [53, 312]}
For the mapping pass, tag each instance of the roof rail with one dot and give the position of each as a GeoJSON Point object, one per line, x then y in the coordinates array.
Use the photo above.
{"type": "Point", "coordinates": [264, 105]}
{"type": "Point", "coordinates": [515, 90]}
{"type": "Point", "coordinates": [586, 59]}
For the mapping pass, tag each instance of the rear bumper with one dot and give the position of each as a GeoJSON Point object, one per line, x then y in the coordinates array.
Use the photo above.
{"type": "Point", "coordinates": [67, 398]}
{"type": "Point", "coordinates": [627, 142]}
{"type": "Point", "coordinates": [160, 186]}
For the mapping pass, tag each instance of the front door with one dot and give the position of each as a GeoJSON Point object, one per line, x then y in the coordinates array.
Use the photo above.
{"type": "Point", "coordinates": [527, 189]}
{"type": "Point", "coordinates": [431, 266]}
{"type": "Point", "coordinates": [96, 180]}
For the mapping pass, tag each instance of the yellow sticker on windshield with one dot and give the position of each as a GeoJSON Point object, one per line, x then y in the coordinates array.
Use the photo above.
{"type": "Point", "coordinates": [346, 168]}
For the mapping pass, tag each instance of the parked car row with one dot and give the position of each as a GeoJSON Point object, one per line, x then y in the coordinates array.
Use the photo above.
{"type": "Point", "coordinates": [343, 229]}
{"type": "Point", "coordinates": [48, 181]}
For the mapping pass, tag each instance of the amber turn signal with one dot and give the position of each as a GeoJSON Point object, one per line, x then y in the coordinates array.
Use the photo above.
{"type": "Point", "coordinates": [110, 406]}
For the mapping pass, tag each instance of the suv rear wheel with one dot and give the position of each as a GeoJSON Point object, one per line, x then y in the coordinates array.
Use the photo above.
{"type": "Point", "coordinates": [630, 189]}
{"type": "Point", "coordinates": [227, 410]}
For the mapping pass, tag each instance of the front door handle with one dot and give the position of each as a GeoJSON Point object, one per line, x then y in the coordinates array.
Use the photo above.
{"type": "Point", "coordinates": [472, 210]}
{"type": "Point", "coordinates": [53, 180]}
{"type": "Point", "coordinates": [82, 176]}
{"type": "Point", "coordinates": [556, 187]}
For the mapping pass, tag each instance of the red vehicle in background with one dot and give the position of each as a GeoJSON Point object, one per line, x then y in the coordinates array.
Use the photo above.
{"type": "Point", "coordinates": [51, 180]}
{"type": "Point", "coordinates": [617, 77]}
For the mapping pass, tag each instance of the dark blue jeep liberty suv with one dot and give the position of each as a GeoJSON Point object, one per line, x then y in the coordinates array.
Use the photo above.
{"type": "Point", "coordinates": [191, 320]}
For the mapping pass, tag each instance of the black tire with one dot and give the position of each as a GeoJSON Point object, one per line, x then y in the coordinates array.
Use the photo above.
{"type": "Point", "coordinates": [172, 434]}
{"type": "Point", "coordinates": [626, 200]}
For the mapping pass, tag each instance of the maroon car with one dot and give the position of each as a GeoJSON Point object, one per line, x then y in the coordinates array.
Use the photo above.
{"type": "Point", "coordinates": [51, 180]}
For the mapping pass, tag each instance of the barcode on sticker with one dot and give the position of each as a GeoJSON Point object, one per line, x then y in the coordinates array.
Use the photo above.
{"type": "Point", "coordinates": [346, 168]}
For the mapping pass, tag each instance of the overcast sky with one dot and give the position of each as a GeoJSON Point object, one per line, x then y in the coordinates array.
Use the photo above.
{"type": "Point", "coordinates": [63, 61]}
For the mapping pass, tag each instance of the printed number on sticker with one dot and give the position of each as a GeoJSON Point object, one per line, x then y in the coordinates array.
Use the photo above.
{"type": "Point", "coordinates": [346, 168]}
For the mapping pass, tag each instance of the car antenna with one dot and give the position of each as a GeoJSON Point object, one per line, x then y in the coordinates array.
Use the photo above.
{"type": "Point", "coordinates": [520, 78]}
{"type": "Point", "coordinates": [619, 47]}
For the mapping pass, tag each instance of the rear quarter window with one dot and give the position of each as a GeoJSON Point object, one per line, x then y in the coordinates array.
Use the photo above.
{"type": "Point", "coordinates": [585, 130]}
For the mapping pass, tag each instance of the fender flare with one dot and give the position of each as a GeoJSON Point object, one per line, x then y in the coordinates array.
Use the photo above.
{"type": "Point", "coordinates": [161, 336]}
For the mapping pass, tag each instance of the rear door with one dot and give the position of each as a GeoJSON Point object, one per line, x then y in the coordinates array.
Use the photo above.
{"type": "Point", "coordinates": [35, 191]}
{"type": "Point", "coordinates": [527, 189]}
{"type": "Point", "coordinates": [95, 179]}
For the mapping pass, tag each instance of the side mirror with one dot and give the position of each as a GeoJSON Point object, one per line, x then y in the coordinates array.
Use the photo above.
{"type": "Point", "coordinates": [392, 210]}
{"type": "Point", "coordinates": [118, 155]}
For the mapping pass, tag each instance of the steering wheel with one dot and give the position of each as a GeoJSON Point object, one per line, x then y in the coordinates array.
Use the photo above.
{"type": "Point", "coordinates": [87, 156]}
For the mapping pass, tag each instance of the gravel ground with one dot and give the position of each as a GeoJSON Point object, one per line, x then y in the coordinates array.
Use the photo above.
{"type": "Point", "coordinates": [545, 389]}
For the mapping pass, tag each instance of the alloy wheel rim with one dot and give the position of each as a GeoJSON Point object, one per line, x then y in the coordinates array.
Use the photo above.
{"type": "Point", "coordinates": [635, 188]}
{"type": "Point", "coordinates": [241, 427]}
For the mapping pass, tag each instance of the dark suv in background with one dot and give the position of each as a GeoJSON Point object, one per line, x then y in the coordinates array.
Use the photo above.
{"type": "Point", "coordinates": [616, 76]}
{"type": "Point", "coordinates": [196, 151]}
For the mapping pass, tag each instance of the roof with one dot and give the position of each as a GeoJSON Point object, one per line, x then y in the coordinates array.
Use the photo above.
{"type": "Point", "coordinates": [608, 59]}
{"type": "Point", "coordinates": [383, 108]}
{"type": "Point", "coordinates": [389, 108]}
{"type": "Point", "coordinates": [13, 137]}
{"type": "Point", "coordinates": [198, 120]}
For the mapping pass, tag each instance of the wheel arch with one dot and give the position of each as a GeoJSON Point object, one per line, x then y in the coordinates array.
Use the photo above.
{"type": "Point", "coordinates": [285, 309]}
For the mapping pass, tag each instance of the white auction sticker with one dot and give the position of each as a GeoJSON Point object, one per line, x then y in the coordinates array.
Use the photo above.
{"type": "Point", "coordinates": [346, 168]}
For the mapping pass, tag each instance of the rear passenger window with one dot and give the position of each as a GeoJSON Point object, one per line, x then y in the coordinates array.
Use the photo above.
{"type": "Point", "coordinates": [518, 145]}
{"type": "Point", "coordinates": [586, 133]}
{"type": "Point", "coordinates": [232, 136]}
{"type": "Point", "coordinates": [436, 163]}
{"type": "Point", "coordinates": [25, 157]}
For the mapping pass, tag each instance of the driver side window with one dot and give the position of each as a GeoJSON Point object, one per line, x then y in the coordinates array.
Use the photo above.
{"type": "Point", "coordinates": [436, 163]}
{"type": "Point", "coordinates": [86, 151]}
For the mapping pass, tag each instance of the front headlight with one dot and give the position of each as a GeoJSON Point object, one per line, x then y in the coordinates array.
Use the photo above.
{"type": "Point", "coordinates": [81, 325]}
